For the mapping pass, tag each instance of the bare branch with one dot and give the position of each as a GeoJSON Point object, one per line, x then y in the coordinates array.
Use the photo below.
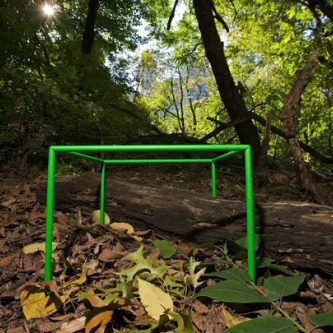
{"type": "Point", "coordinates": [172, 15]}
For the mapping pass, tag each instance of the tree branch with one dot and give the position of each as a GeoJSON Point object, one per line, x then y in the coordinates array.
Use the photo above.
{"type": "Point", "coordinates": [172, 15]}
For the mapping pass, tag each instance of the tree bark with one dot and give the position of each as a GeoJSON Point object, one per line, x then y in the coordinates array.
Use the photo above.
{"type": "Point", "coordinates": [291, 109]}
{"type": "Point", "coordinates": [89, 30]}
{"type": "Point", "coordinates": [229, 93]}
{"type": "Point", "coordinates": [297, 234]}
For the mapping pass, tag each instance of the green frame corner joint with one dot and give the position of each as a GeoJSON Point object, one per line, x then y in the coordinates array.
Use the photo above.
{"type": "Point", "coordinates": [80, 151]}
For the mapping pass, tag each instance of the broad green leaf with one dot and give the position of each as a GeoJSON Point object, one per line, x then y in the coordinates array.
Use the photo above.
{"type": "Point", "coordinates": [278, 287]}
{"type": "Point", "coordinates": [257, 241]}
{"type": "Point", "coordinates": [264, 325]}
{"type": "Point", "coordinates": [322, 319]}
{"type": "Point", "coordinates": [261, 280]}
{"type": "Point", "coordinates": [262, 262]}
{"type": "Point", "coordinates": [166, 249]}
{"type": "Point", "coordinates": [233, 248]}
{"type": "Point", "coordinates": [234, 274]}
{"type": "Point", "coordinates": [279, 268]}
{"type": "Point", "coordinates": [233, 292]}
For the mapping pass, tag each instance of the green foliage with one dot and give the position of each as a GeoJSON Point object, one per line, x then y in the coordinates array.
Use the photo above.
{"type": "Point", "coordinates": [233, 292]}
{"type": "Point", "coordinates": [277, 287]}
{"type": "Point", "coordinates": [167, 250]}
{"type": "Point", "coordinates": [233, 274]}
{"type": "Point", "coordinates": [322, 319]}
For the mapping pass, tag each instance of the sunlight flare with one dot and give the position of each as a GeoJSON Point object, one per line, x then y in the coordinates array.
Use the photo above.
{"type": "Point", "coordinates": [48, 9]}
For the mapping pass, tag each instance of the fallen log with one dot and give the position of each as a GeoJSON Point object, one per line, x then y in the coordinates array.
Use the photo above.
{"type": "Point", "coordinates": [297, 234]}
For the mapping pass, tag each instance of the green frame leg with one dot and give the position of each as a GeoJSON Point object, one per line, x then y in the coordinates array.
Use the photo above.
{"type": "Point", "coordinates": [49, 215]}
{"type": "Point", "coordinates": [102, 195]}
{"type": "Point", "coordinates": [249, 213]}
{"type": "Point", "coordinates": [213, 180]}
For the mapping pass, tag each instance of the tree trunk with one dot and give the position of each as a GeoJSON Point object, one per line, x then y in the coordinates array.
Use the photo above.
{"type": "Point", "coordinates": [229, 93]}
{"type": "Point", "coordinates": [89, 30]}
{"type": "Point", "coordinates": [296, 234]}
{"type": "Point", "coordinates": [292, 109]}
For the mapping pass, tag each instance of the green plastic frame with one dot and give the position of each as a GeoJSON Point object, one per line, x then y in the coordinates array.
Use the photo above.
{"type": "Point", "coordinates": [77, 151]}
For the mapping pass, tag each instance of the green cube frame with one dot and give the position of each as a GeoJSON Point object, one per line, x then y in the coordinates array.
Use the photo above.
{"type": "Point", "coordinates": [77, 151]}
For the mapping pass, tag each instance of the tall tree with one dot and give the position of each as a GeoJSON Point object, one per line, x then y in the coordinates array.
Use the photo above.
{"type": "Point", "coordinates": [247, 132]}
{"type": "Point", "coordinates": [89, 30]}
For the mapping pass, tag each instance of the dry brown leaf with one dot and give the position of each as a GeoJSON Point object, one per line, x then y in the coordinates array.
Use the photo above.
{"type": "Point", "coordinates": [200, 307]}
{"type": "Point", "coordinates": [73, 326]}
{"type": "Point", "coordinates": [16, 330]}
{"type": "Point", "coordinates": [306, 324]}
{"type": "Point", "coordinates": [46, 325]}
{"type": "Point", "coordinates": [101, 319]}
{"type": "Point", "coordinates": [8, 202]}
{"type": "Point", "coordinates": [32, 248]}
{"type": "Point", "coordinates": [4, 262]}
{"type": "Point", "coordinates": [110, 254]}
{"type": "Point", "coordinates": [122, 226]}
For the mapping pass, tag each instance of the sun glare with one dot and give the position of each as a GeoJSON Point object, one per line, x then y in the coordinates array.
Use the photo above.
{"type": "Point", "coordinates": [48, 9]}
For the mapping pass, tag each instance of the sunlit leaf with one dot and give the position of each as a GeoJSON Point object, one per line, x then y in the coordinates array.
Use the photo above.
{"type": "Point", "coordinates": [123, 227]}
{"type": "Point", "coordinates": [96, 217]}
{"type": "Point", "coordinates": [82, 279]}
{"type": "Point", "coordinates": [142, 264]}
{"type": "Point", "coordinates": [155, 301]}
{"type": "Point", "coordinates": [36, 303]}
{"type": "Point", "coordinates": [232, 320]}
{"type": "Point", "coordinates": [194, 277]}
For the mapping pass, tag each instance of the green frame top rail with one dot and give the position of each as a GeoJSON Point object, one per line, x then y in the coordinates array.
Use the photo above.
{"type": "Point", "coordinates": [80, 151]}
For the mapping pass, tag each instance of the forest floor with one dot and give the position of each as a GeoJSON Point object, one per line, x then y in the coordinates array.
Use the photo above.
{"type": "Point", "coordinates": [22, 222]}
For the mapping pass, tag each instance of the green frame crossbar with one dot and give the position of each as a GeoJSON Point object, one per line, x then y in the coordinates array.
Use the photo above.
{"type": "Point", "coordinates": [79, 151]}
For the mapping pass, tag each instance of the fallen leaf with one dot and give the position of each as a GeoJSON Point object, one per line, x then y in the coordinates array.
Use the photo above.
{"type": "Point", "coordinates": [110, 254]}
{"type": "Point", "coordinates": [232, 320]}
{"type": "Point", "coordinates": [73, 326]}
{"type": "Point", "coordinates": [155, 301]}
{"type": "Point", "coordinates": [8, 202]}
{"type": "Point", "coordinates": [16, 330]}
{"type": "Point", "coordinates": [122, 226]}
{"type": "Point", "coordinates": [36, 303]}
{"type": "Point", "coordinates": [32, 248]}
{"type": "Point", "coordinates": [101, 319]}
{"type": "Point", "coordinates": [4, 262]}
{"type": "Point", "coordinates": [95, 216]}
{"type": "Point", "coordinates": [82, 279]}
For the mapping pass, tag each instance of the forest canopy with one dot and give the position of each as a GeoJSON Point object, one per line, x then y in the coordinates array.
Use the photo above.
{"type": "Point", "coordinates": [143, 71]}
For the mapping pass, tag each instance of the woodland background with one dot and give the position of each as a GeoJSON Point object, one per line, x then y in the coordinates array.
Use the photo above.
{"type": "Point", "coordinates": [143, 71]}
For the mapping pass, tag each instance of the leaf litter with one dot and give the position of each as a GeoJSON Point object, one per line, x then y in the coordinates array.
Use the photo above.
{"type": "Point", "coordinates": [115, 278]}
